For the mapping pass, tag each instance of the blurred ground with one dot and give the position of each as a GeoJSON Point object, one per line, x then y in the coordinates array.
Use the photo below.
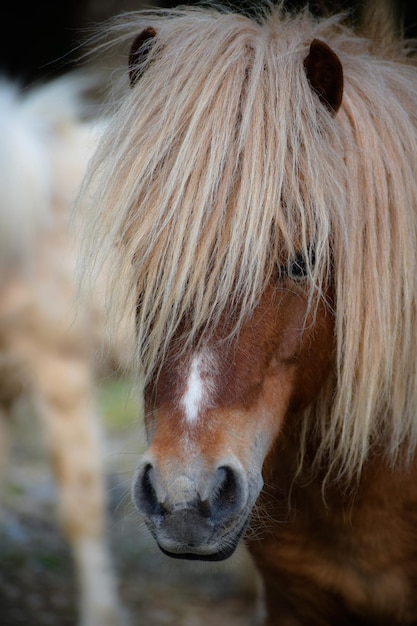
{"type": "Point", "coordinates": [37, 584]}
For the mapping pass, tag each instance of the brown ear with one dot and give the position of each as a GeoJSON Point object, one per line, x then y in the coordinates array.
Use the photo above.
{"type": "Point", "coordinates": [138, 51]}
{"type": "Point", "coordinates": [325, 74]}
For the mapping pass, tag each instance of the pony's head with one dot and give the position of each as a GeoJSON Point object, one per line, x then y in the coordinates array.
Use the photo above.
{"type": "Point", "coordinates": [256, 211]}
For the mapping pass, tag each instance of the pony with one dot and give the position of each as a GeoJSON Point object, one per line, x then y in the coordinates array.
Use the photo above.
{"type": "Point", "coordinates": [49, 346]}
{"type": "Point", "coordinates": [256, 194]}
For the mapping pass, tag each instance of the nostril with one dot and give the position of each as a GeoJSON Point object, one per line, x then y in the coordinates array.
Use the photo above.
{"type": "Point", "coordinates": [227, 494]}
{"type": "Point", "coordinates": [145, 495]}
{"type": "Point", "coordinates": [227, 486]}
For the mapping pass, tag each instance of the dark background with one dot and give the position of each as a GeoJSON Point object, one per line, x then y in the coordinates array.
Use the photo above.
{"type": "Point", "coordinates": [41, 39]}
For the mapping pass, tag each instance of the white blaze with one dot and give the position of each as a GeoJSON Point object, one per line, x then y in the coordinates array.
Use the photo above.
{"type": "Point", "coordinates": [196, 396]}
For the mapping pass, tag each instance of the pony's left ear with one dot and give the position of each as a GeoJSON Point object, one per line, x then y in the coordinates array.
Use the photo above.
{"type": "Point", "coordinates": [325, 74]}
{"type": "Point", "coordinates": [138, 52]}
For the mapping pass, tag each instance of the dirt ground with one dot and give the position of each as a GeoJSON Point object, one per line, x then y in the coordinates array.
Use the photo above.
{"type": "Point", "coordinates": [37, 584]}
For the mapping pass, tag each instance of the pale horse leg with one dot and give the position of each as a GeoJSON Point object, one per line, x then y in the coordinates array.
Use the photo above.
{"type": "Point", "coordinates": [67, 407]}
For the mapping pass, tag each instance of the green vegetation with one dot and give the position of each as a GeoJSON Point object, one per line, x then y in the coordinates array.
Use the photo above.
{"type": "Point", "coordinates": [119, 405]}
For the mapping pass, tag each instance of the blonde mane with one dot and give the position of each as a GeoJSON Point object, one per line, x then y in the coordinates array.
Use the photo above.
{"type": "Point", "coordinates": [221, 163]}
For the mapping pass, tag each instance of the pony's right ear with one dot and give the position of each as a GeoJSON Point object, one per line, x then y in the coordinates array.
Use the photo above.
{"type": "Point", "coordinates": [138, 51]}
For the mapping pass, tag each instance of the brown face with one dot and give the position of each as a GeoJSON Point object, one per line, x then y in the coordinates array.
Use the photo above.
{"type": "Point", "coordinates": [213, 415]}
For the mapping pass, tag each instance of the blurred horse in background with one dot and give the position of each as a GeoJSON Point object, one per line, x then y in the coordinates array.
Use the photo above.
{"type": "Point", "coordinates": [256, 191]}
{"type": "Point", "coordinates": [49, 346]}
